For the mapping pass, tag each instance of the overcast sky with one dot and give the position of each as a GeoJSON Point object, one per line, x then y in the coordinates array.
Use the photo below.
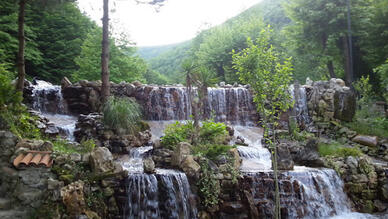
{"type": "Point", "coordinates": [176, 21]}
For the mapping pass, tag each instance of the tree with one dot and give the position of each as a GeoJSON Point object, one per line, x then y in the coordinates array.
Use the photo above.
{"type": "Point", "coordinates": [123, 64]}
{"type": "Point", "coordinates": [21, 38]}
{"type": "Point", "coordinates": [105, 87]}
{"type": "Point", "coordinates": [259, 65]}
{"type": "Point", "coordinates": [320, 30]}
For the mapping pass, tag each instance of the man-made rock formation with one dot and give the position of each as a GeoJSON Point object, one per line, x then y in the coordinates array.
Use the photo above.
{"type": "Point", "coordinates": [73, 198]}
{"type": "Point", "coordinates": [330, 100]}
{"type": "Point", "coordinates": [232, 104]}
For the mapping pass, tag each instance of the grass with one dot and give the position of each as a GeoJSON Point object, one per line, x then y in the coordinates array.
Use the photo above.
{"type": "Point", "coordinates": [337, 150]}
{"type": "Point", "coordinates": [62, 146]}
{"type": "Point", "coordinates": [122, 115]}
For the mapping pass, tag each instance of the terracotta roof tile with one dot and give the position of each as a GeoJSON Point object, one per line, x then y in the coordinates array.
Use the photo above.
{"type": "Point", "coordinates": [34, 158]}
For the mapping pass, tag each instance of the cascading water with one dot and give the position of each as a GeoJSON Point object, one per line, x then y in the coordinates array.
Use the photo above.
{"type": "Point", "coordinates": [234, 105]}
{"type": "Point", "coordinates": [300, 109]}
{"type": "Point", "coordinates": [304, 192]}
{"type": "Point", "coordinates": [48, 100]}
{"type": "Point", "coordinates": [165, 194]}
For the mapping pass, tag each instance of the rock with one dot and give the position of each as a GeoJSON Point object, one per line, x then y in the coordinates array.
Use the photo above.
{"type": "Point", "coordinates": [380, 206]}
{"type": "Point", "coordinates": [73, 198]}
{"type": "Point", "coordinates": [384, 191]}
{"type": "Point", "coordinates": [222, 84]}
{"type": "Point", "coordinates": [65, 82]}
{"type": "Point", "coordinates": [108, 192]}
{"type": "Point", "coordinates": [340, 82]}
{"type": "Point", "coordinates": [76, 157]}
{"type": "Point", "coordinates": [344, 105]}
{"type": "Point", "coordinates": [190, 166]}
{"type": "Point", "coordinates": [352, 164]}
{"type": "Point", "coordinates": [366, 140]}
{"type": "Point", "coordinates": [149, 165]}
{"type": "Point", "coordinates": [284, 158]}
{"type": "Point", "coordinates": [309, 82]}
{"type": "Point", "coordinates": [101, 160]}
{"type": "Point", "coordinates": [182, 150]}
{"type": "Point", "coordinates": [53, 184]}
{"type": "Point", "coordinates": [137, 83]}
{"type": "Point", "coordinates": [30, 144]}
{"type": "Point", "coordinates": [236, 158]}
{"type": "Point", "coordinates": [308, 155]}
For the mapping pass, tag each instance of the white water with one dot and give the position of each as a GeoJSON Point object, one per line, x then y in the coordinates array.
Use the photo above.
{"type": "Point", "coordinates": [165, 194]}
{"type": "Point", "coordinates": [48, 100]}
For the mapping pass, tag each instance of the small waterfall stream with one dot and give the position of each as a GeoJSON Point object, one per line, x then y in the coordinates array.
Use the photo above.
{"type": "Point", "coordinates": [48, 100]}
{"type": "Point", "coordinates": [165, 194]}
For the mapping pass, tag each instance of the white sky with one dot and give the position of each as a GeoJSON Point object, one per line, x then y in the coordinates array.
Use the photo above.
{"type": "Point", "coordinates": [176, 21]}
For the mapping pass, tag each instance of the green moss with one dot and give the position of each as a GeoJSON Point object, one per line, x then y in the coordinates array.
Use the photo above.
{"type": "Point", "coordinates": [337, 150]}
{"type": "Point", "coordinates": [67, 178]}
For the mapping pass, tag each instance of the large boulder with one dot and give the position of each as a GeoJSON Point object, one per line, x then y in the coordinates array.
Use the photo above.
{"type": "Point", "coordinates": [344, 105]}
{"type": "Point", "coordinates": [308, 155]}
{"type": "Point", "coordinates": [366, 140]}
{"type": "Point", "coordinates": [284, 158]}
{"type": "Point", "coordinates": [190, 166]}
{"type": "Point", "coordinates": [149, 165]}
{"type": "Point", "coordinates": [101, 160]}
{"type": "Point", "coordinates": [182, 150]}
{"type": "Point", "coordinates": [73, 198]}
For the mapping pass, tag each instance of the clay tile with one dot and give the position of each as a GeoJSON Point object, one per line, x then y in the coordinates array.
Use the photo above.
{"type": "Point", "coordinates": [45, 160]}
{"type": "Point", "coordinates": [26, 160]}
{"type": "Point", "coordinates": [36, 159]}
{"type": "Point", "coordinates": [18, 159]}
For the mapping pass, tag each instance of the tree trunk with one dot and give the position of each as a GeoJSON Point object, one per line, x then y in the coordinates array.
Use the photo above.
{"type": "Point", "coordinates": [330, 67]}
{"type": "Point", "coordinates": [20, 57]}
{"type": "Point", "coordinates": [105, 89]}
{"type": "Point", "coordinates": [348, 67]}
{"type": "Point", "coordinates": [204, 101]}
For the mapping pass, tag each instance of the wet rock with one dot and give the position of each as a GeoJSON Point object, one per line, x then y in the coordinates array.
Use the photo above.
{"type": "Point", "coordinates": [190, 166]}
{"type": "Point", "coordinates": [182, 150]}
{"type": "Point", "coordinates": [101, 160]}
{"type": "Point", "coordinates": [236, 158]}
{"type": "Point", "coordinates": [73, 198]}
{"type": "Point", "coordinates": [366, 140]}
{"type": "Point", "coordinates": [149, 165]}
{"type": "Point", "coordinates": [65, 82]}
{"type": "Point", "coordinates": [308, 155]}
{"type": "Point", "coordinates": [284, 158]}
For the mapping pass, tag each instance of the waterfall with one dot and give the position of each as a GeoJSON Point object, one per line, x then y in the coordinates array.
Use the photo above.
{"type": "Point", "coordinates": [234, 105]}
{"type": "Point", "coordinates": [48, 100]}
{"type": "Point", "coordinates": [300, 110]}
{"type": "Point", "coordinates": [165, 194]}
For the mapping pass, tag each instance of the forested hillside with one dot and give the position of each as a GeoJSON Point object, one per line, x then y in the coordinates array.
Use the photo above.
{"type": "Point", "coordinates": [61, 41]}
{"type": "Point", "coordinates": [314, 33]}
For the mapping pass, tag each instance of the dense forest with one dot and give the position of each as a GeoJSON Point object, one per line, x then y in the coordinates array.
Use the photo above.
{"type": "Point", "coordinates": [313, 33]}
{"type": "Point", "coordinates": [61, 41]}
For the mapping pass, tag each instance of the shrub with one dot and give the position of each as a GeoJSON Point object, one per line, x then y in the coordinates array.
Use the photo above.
{"type": "Point", "coordinates": [382, 72]}
{"type": "Point", "coordinates": [212, 132]}
{"type": "Point", "coordinates": [208, 187]}
{"type": "Point", "coordinates": [211, 151]}
{"type": "Point", "coordinates": [87, 145]}
{"type": "Point", "coordinates": [335, 149]}
{"type": "Point", "coordinates": [122, 115]}
{"type": "Point", "coordinates": [177, 132]}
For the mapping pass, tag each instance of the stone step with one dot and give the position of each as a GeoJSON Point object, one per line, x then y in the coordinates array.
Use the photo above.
{"type": "Point", "coordinates": [13, 214]}
{"type": "Point", "coordinates": [5, 204]}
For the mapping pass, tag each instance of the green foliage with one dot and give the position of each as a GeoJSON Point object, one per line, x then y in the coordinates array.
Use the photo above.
{"type": "Point", "coordinates": [209, 133]}
{"type": "Point", "coordinates": [177, 132]}
{"type": "Point", "coordinates": [259, 65]}
{"type": "Point", "coordinates": [211, 151]}
{"type": "Point", "coordinates": [212, 132]}
{"type": "Point", "coordinates": [382, 72]}
{"type": "Point", "coordinates": [122, 115]}
{"type": "Point", "coordinates": [364, 88]}
{"type": "Point", "coordinates": [367, 122]}
{"type": "Point", "coordinates": [61, 146]}
{"type": "Point", "coordinates": [123, 64]}
{"type": "Point", "coordinates": [208, 187]}
{"type": "Point", "coordinates": [335, 149]}
{"type": "Point", "coordinates": [9, 98]}
{"type": "Point", "coordinates": [87, 145]}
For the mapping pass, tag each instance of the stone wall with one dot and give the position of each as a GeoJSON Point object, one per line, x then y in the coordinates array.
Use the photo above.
{"type": "Point", "coordinates": [330, 100]}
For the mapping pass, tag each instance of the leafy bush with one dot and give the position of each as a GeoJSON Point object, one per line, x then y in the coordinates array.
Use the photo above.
{"type": "Point", "coordinates": [87, 145]}
{"type": "Point", "coordinates": [211, 151]}
{"type": "Point", "coordinates": [208, 187]}
{"type": "Point", "coordinates": [62, 146]}
{"type": "Point", "coordinates": [177, 132]}
{"type": "Point", "coordinates": [122, 115]}
{"type": "Point", "coordinates": [212, 132]}
{"type": "Point", "coordinates": [336, 150]}
{"type": "Point", "coordinates": [364, 89]}
{"type": "Point", "coordinates": [382, 72]}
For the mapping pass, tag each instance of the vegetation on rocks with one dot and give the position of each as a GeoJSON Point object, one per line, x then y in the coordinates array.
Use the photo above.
{"type": "Point", "coordinates": [122, 115]}
{"type": "Point", "coordinates": [337, 150]}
